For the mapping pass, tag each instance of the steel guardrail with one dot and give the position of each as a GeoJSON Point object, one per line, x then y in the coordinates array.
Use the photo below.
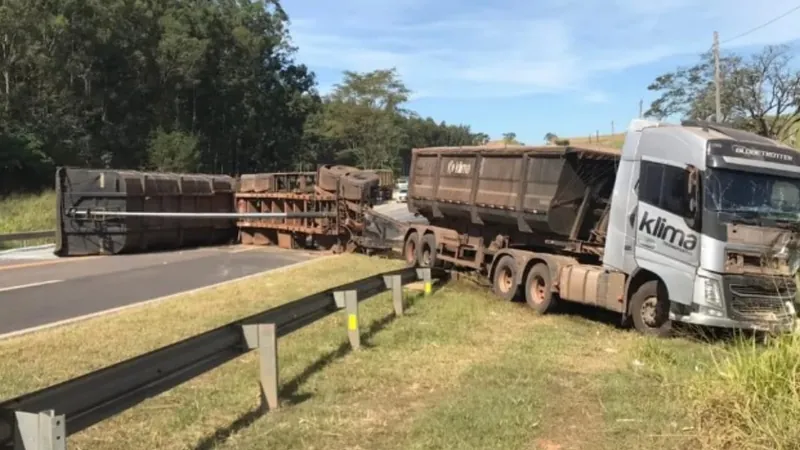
{"type": "Point", "coordinates": [44, 418]}
{"type": "Point", "coordinates": [27, 235]}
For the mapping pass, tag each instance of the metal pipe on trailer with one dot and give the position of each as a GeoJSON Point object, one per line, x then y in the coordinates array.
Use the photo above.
{"type": "Point", "coordinates": [87, 213]}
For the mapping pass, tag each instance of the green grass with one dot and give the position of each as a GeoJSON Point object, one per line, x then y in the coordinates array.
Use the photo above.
{"type": "Point", "coordinates": [27, 212]}
{"type": "Point", "coordinates": [461, 370]}
{"type": "Point", "coordinates": [750, 399]}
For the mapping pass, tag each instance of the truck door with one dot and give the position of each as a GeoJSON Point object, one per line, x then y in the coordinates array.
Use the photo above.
{"type": "Point", "coordinates": [619, 248]}
{"type": "Point", "coordinates": [666, 241]}
{"type": "Point", "coordinates": [631, 219]}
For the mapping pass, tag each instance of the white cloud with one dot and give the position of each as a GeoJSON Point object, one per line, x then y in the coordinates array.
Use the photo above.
{"type": "Point", "coordinates": [453, 48]}
{"type": "Point", "coordinates": [596, 97]}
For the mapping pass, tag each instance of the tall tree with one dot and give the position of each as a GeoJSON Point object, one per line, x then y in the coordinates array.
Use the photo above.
{"type": "Point", "coordinates": [363, 117]}
{"type": "Point", "coordinates": [761, 93]}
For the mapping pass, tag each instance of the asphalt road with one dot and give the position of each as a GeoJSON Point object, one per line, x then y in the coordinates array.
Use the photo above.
{"type": "Point", "coordinates": [36, 292]}
{"type": "Point", "coordinates": [399, 211]}
{"type": "Point", "coordinates": [38, 288]}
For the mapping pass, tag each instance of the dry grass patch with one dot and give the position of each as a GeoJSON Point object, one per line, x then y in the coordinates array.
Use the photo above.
{"type": "Point", "coordinates": [370, 398]}
{"type": "Point", "coordinates": [568, 383]}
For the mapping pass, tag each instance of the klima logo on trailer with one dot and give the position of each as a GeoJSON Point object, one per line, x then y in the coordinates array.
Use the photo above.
{"type": "Point", "coordinates": [458, 167]}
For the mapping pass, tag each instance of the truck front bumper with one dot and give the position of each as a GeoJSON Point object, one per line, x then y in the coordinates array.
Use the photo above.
{"type": "Point", "coordinates": [755, 303]}
{"type": "Point", "coordinates": [696, 318]}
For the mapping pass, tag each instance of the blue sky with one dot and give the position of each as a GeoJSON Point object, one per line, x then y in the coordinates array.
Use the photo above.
{"type": "Point", "coordinates": [564, 66]}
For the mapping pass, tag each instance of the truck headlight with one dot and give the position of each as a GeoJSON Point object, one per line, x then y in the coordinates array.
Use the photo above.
{"type": "Point", "coordinates": [712, 293]}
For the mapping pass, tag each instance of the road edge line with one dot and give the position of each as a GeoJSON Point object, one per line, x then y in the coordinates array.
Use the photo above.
{"type": "Point", "coordinates": [106, 312]}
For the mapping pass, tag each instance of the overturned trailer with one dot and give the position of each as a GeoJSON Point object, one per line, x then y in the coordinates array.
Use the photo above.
{"type": "Point", "coordinates": [346, 192]}
{"type": "Point", "coordinates": [623, 230]}
{"type": "Point", "coordinates": [117, 211]}
{"type": "Point", "coordinates": [121, 191]}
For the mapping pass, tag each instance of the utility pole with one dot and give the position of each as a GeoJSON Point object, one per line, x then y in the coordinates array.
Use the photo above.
{"type": "Point", "coordinates": [612, 127]}
{"type": "Point", "coordinates": [641, 104]}
{"type": "Point", "coordinates": [717, 81]}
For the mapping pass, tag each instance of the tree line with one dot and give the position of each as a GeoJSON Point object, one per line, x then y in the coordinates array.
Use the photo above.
{"type": "Point", "coordinates": [214, 86]}
{"type": "Point", "coordinates": [186, 86]}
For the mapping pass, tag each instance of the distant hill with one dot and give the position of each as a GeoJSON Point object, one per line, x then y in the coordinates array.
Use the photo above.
{"type": "Point", "coordinates": [502, 144]}
{"type": "Point", "coordinates": [606, 140]}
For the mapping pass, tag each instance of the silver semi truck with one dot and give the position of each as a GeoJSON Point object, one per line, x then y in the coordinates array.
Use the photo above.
{"type": "Point", "coordinates": [694, 223]}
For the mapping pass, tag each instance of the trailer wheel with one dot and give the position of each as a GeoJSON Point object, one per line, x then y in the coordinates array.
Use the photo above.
{"type": "Point", "coordinates": [504, 281]}
{"type": "Point", "coordinates": [427, 254]}
{"type": "Point", "coordinates": [649, 308]}
{"type": "Point", "coordinates": [410, 249]}
{"type": "Point", "coordinates": [538, 291]}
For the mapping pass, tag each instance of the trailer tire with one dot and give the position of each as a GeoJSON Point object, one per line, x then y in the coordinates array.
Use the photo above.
{"type": "Point", "coordinates": [411, 249]}
{"type": "Point", "coordinates": [427, 251]}
{"type": "Point", "coordinates": [504, 279]}
{"type": "Point", "coordinates": [538, 289]}
{"type": "Point", "coordinates": [648, 295]}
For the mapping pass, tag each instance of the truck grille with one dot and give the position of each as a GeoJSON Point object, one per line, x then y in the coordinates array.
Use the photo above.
{"type": "Point", "coordinates": [761, 299]}
{"type": "Point", "coordinates": [778, 289]}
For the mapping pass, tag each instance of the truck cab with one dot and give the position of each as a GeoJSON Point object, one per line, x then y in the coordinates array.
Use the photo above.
{"type": "Point", "coordinates": [704, 222]}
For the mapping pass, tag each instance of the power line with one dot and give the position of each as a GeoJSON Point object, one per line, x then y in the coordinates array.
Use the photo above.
{"type": "Point", "coordinates": [770, 22]}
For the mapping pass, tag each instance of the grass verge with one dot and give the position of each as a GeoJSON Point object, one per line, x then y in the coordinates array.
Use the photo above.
{"type": "Point", "coordinates": [461, 370]}
{"type": "Point", "coordinates": [28, 212]}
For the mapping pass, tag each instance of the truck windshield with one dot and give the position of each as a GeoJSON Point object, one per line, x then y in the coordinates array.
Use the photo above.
{"type": "Point", "coordinates": [747, 193]}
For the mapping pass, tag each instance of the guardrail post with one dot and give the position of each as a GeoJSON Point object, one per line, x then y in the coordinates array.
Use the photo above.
{"type": "Point", "coordinates": [40, 431]}
{"type": "Point", "coordinates": [349, 300]}
{"type": "Point", "coordinates": [395, 283]}
{"type": "Point", "coordinates": [425, 274]}
{"type": "Point", "coordinates": [263, 336]}
{"type": "Point", "coordinates": [268, 363]}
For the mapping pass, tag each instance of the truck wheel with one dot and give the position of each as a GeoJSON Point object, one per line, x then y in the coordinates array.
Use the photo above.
{"type": "Point", "coordinates": [410, 252]}
{"type": "Point", "coordinates": [538, 291]}
{"type": "Point", "coordinates": [650, 310]}
{"type": "Point", "coordinates": [504, 282]}
{"type": "Point", "coordinates": [427, 254]}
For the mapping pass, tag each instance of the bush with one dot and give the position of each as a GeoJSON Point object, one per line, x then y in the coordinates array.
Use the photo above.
{"type": "Point", "coordinates": [562, 141]}
{"type": "Point", "coordinates": [751, 397]}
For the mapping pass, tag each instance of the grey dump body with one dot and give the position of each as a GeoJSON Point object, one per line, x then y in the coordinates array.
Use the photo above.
{"type": "Point", "coordinates": [696, 217]}
{"type": "Point", "coordinates": [122, 190]}
{"type": "Point", "coordinates": [531, 193]}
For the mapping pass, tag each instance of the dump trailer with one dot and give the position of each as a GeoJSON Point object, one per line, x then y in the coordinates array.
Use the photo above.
{"type": "Point", "coordinates": [695, 223]}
